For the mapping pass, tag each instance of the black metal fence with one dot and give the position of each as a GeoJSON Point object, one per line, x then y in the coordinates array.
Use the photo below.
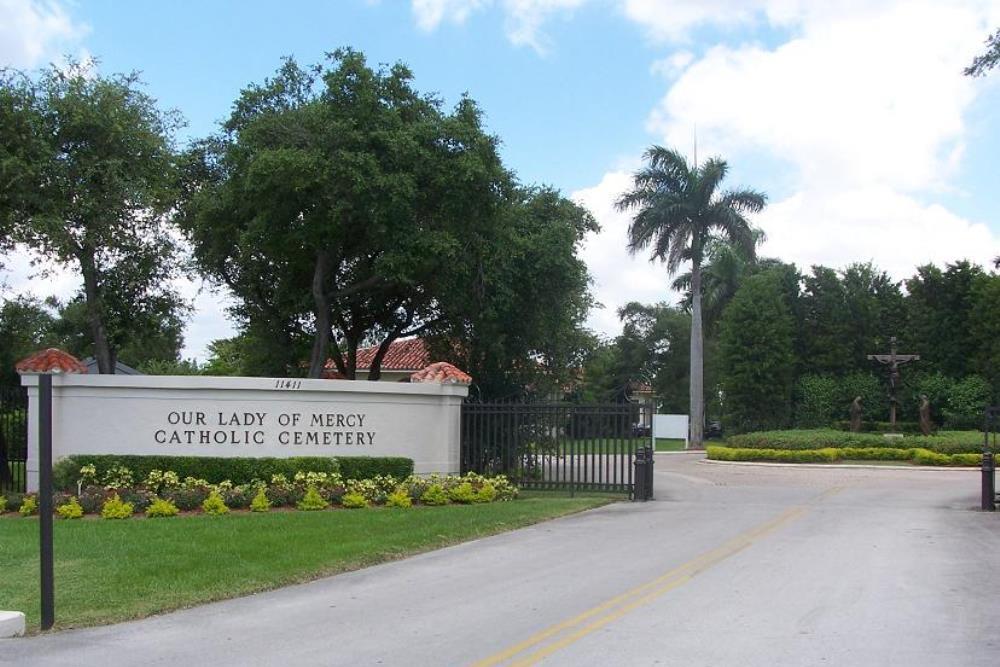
{"type": "Point", "coordinates": [13, 438]}
{"type": "Point", "coordinates": [560, 446]}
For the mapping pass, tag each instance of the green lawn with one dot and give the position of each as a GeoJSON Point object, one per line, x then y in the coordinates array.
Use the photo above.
{"type": "Point", "coordinates": [110, 571]}
{"type": "Point", "coordinates": [617, 446]}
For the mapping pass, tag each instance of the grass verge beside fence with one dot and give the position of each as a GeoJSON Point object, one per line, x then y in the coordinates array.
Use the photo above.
{"type": "Point", "coordinates": [916, 456]}
{"type": "Point", "coordinates": [108, 571]}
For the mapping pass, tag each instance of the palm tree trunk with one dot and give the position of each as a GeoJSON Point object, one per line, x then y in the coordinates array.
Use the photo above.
{"type": "Point", "coordinates": [697, 394]}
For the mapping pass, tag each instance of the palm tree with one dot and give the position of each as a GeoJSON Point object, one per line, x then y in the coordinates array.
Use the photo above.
{"type": "Point", "coordinates": [726, 267]}
{"type": "Point", "coordinates": [678, 209]}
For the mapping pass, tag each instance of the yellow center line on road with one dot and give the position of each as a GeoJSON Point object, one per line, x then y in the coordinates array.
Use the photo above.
{"type": "Point", "coordinates": [622, 604]}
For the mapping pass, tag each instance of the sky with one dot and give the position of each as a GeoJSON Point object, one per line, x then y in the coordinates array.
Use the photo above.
{"type": "Point", "coordinates": [852, 115]}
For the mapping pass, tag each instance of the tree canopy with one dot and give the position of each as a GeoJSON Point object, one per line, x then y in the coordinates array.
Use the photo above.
{"type": "Point", "coordinates": [87, 167]}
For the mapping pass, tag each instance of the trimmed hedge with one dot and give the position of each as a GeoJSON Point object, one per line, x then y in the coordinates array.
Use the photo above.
{"type": "Point", "coordinates": [916, 455]}
{"type": "Point", "coordinates": [367, 467]}
{"type": "Point", "coordinates": [237, 470]}
{"type": "Point", "coordinates": [907, 428]}
{"type": "Point", "coordinates": [945, 442]}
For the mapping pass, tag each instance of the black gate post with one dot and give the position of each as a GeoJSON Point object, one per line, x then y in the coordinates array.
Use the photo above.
{"type": "Point", "coordinates": [989, 499]}
{"type": "Point", "coordinates": [45, 498]}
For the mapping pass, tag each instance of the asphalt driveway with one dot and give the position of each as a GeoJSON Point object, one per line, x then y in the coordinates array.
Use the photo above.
{"type": "Point", "coordinates": [737, 565]}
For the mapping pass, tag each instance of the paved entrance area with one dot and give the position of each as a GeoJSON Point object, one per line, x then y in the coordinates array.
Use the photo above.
{"type": "Point", "coordinates": [730, 565]}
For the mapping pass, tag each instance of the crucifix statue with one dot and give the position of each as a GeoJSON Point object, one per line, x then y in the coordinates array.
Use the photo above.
{"type": "Point", "coordinates": [893, 361]}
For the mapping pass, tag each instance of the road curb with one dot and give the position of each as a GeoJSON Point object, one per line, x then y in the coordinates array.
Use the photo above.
{"type": "Point", "coordinates": [847, 466]}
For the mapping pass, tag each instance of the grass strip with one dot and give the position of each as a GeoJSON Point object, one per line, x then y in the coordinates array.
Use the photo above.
{"type": "Point", "coordinates": [108, 571]}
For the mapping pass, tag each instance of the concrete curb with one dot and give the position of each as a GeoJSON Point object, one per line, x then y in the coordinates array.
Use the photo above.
{"type": "Point", "coordinates": [848, 466]}
{"type": "Point", "coordinates": [11, 624]}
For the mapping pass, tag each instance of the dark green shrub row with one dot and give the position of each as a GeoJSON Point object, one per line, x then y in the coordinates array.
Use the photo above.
{"type": "Point", "coordinates": [367, 467]}
{"type": "Point", "coordinates": [832, 454]}
{"type": "Point", "coordinates": [944, 442]}
{"type": "Point", "coordinates": [907, 428]}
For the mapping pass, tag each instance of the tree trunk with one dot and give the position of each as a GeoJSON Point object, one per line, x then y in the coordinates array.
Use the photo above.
{"type": "Point", "coordinates": [321, 311]}
{"type": "Point", "coordinates": [697, 393]}
{"type": "Point", "coordinates": [103, 353]}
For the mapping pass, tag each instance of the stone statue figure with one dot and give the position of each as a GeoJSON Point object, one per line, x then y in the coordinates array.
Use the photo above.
{"type": "Point", "coordinates": [926, 427]}
{"type": "Point", "coordinates": [856, 412]}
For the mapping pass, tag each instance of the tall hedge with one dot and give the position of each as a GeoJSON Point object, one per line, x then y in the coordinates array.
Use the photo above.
{"type": "Point", "coordinates": [758, 361]}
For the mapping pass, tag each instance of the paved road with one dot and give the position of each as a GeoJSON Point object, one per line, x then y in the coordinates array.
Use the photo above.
{"type": "Point", "coordinates": [731, 565]}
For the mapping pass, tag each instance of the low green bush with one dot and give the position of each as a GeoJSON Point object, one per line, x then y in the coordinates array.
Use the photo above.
{"type": "Point", "coordinates": [3, 504]}
{"type": "Point", "coordinates": [462, 494]}
{"type": "Point", "coordinates": [260, 503]}
{"type": "Point", "coordinates": [832, 454]}
{"type": "Point", "coordinates": [944, 442]}
{"type": "Point", "coordinates": [160, 508]}
{"type": "Point", "coordinates": [312, 501]}
{"type": "Point", "coordinates": [906, 428]}
{"type": "Point", "coordinates": [354, 500]}
{"type": "Point", "coordinates": [399, 498]}
{"type": "Point", "coordinates": [214, 504]}
{"type": "Point", "coordinates": [115, 508]}
{"type": "Point", "coordinates": [434, 495]}
{"type": "Point", "coordinates": [71, 509]}
{"type": "Point", "coordinates": [487, 493]}
{"type": "Point", "coordinates": [28, 506]}
{"type": "Point", "coordinates": [186, 498]}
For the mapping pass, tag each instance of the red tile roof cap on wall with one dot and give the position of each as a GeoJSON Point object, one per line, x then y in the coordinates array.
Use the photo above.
{"type": "Point", "coordinates": [51, 361]}
{"type": "Point", "coordinates": [441, 372]}
{"type": "Point", "coordinates": [409, 354]}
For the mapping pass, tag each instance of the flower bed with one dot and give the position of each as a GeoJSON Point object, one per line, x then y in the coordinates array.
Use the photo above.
{"type": "Point", "coordinates": [117, 494]}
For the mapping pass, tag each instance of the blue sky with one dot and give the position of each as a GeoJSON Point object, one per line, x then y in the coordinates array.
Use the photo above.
{"type": "Point", "coordinates": [853, 116]}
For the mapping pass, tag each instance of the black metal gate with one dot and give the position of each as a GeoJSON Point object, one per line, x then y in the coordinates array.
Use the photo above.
{"type": "Point", "coordinates": [561, 446]}
{"type": "Point", "coordinates": [13, 438]}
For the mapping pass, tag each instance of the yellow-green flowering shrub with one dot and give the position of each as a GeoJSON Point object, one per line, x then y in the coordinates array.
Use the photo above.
{"type": "Point", "coordinates": [158, 480]}
{"type": "Point", "coordinates": [29, 506]}
{"type": "Point", "coordinates": [214, 504]}
{"type": "Point", "coordinates": [354, 500]}
{"type": "Point", "coordinates": [398, 498]}
{"type": "Point", "coordinates": [161, 507]}
{"type": "Point", "coordinates": [71, 509]}
{"type": "Point", "coordinates": [434, 495]}
{"type": "Point", "coordinates": [312, 501]}
{"type": "Point", "coordinates": [260, 503]}
{"type": "Point", "coordinates": [88, 475]}
{"type": "Point", "coordinates": [366, 488]}
{"type": "Point", "coordinates": [118, 477]}
{"type": "Point", "coordinates": [3, 504]}
{"type": "Point", "coordinates": [504, 487]}
{"type": "Point", "coordinates": [462, 493]}
{"type": "Point", "coordinates": [487, 493]}
{"type": "Point", "coordinates": [115, 508]}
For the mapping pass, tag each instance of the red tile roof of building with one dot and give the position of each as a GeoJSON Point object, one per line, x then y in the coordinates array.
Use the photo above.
{"type": "Point", "coordinates": [409, 354]}
{"type": "Point", "coordinates": [443, 373]}
{"type": "Point", "coordinates": [50, 361]}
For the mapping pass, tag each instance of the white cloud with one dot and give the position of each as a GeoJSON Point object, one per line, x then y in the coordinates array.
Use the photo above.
{"type": "Point", "coordinates": [523, 18]}
{"type": "Point", "coordinates": [618, 277]}
{"type": "Point", "coordinates": [864, 108]}
{"type": "Point", "coordinates": [34, 32]}
{"type": "Point", "coordinates": [429, 14]}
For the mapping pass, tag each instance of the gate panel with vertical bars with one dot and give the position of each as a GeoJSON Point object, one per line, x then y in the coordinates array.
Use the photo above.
{"type": "Point", "coordinates": [557, 446]}
{"type": "Point", "coordinates": [13, 438]}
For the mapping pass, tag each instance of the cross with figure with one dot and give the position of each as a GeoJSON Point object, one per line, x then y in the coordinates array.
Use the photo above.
{"type": "Point", "coordinates": [893, 361]}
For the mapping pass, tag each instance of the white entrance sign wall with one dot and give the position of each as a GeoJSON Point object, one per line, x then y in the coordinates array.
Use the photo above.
{"type": "Point", "coordinates": [255, 417]}
{"type": "Point", "coordinates": [671, 426]}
